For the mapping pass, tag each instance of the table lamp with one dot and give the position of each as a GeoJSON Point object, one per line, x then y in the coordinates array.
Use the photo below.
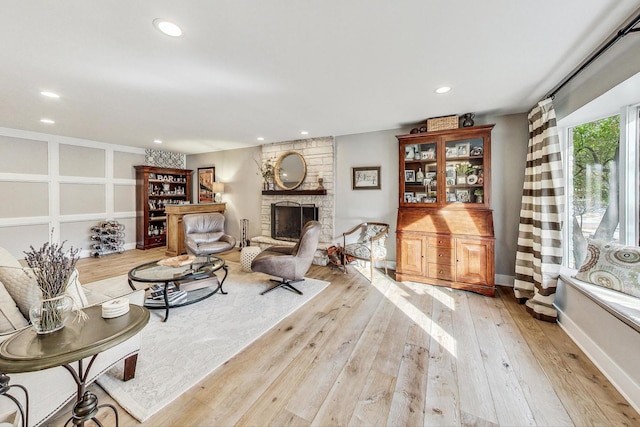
{"type": "Point", "coordinates": [217, 188]}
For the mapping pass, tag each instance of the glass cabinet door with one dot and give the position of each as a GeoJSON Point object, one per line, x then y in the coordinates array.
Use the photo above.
{"type": "Point", "coordinates": [420, 172]}
{"type": "Point", "coordinates": [464, 171]}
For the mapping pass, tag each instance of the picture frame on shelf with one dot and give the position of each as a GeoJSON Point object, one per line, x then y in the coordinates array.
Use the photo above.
{"type": "Point", "coordinates": [450, 172]}
{"type": "Point", "coordinates": [462, 149]}
{"type": "Point", "coordinates": [429, 154]}
{"type": "Point", "coordinates": [365, 178]}
{"type": "Point", "coordinates": [206, 178]}
{"type": "Point", "coordinates": [450, 152]}
{"type": "Point", "coordinates": [463, 196]}
{"type": "Point", "coordinates": [409, 175]}
{"type": "Point", "coordinates": [420, 197]}
{"type": "Point", "coordinates": [408, 196]}
{"type": "Point", "coordinates": [451, 198]}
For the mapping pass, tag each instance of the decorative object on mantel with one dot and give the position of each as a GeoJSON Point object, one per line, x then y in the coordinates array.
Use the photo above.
{"type": "Point", "coordinates": [52, 268]}
{"type": "Point", "coordinates": [467, 120]}
{"type": "Point", "coordinates": [290, 170]}
{"type": "Point", "coordinates": [267, 171]}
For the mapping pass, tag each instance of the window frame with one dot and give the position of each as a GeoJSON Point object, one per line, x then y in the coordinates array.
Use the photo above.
{"type": "Point", "coordinates": [628, 170]}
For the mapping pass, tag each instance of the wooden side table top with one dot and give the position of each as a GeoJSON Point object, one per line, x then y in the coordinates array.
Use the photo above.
{"type": "Point", "coordinates": [26, 351]}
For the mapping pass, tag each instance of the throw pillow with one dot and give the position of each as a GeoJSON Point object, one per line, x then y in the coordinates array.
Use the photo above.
{"type": "Point", "coordinates": [612, 266]}
{"type": "Point", "coordinates": [10, 317]}
{"type": "Point", "coordinates": [21, 284]}
{"type": "Point", "coordinates": [6, 259]}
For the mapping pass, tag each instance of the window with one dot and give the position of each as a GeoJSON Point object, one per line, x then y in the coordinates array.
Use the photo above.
{"type": "Point", "coordinates": [602, 184]}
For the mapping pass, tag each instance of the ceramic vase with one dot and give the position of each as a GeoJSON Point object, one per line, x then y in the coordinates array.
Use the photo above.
{"type": "Point", "coordinates": [50, 315]}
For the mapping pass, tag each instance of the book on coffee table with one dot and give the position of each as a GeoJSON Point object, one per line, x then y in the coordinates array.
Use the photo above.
{"type": "Point", "coordinates": [192, 285]}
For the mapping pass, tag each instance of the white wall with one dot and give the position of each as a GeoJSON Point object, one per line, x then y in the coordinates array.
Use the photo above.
{"type": "Point", "coordinates": [237, 169]}
{"type": "Point", "coordinates": [65, 185]}
{"type": "Point", "coordinates": [356, 206]}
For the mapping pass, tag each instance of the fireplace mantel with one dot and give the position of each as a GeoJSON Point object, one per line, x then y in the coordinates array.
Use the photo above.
{"type": "Point", "coordinates": [322, 192]}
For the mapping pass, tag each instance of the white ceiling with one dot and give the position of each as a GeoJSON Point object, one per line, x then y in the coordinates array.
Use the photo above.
{"type": "Point", "coordinates": [271, 68]}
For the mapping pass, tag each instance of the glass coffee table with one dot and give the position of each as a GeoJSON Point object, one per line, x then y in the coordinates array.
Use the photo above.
{"type": "Point", "coordinates": [179, 286]}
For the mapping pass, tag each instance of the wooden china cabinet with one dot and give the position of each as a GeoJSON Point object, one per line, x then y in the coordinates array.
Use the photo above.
{"type": "Point", "coordinates": [157, 188]}
{"type": "Point", "coordinates": [445, 222]}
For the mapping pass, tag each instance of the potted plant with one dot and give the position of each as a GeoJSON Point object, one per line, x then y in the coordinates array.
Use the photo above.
{"type": "Point", "coordinates": [52, 268]}
{"type": "Point", "coordinates": [479, 193]}
{"type": "Point", "coordinates": [463, 170]}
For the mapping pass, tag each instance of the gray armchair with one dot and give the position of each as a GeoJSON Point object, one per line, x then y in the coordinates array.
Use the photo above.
{"type": "Point", "coordinates": [204, 234]}
{"type": "Point", "coordinates": [289, 263]}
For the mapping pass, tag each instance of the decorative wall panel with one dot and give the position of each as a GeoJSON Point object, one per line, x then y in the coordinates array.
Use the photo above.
{"type": "Point", "coordinates": [21, 155]}
{"type": "Point", "coordinates": [76, 160]}
{"type": "Point", "coordinates": [165, 159]}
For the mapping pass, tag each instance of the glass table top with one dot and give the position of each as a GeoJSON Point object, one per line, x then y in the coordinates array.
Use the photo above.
{"type": "Point", "coordinates": [154, 272]}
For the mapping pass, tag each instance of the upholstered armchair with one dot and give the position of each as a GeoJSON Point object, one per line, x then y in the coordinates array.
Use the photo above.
{"type": "Point", "coordinates": [370, 245]}
{"type": "Point", "coordinates": [289, 263]}
{"type": "Point", "coordinates": [204, 234]}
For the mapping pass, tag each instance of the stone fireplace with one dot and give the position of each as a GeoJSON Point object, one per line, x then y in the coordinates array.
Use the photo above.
{"type": "Point", "coordinates": [318, 154]}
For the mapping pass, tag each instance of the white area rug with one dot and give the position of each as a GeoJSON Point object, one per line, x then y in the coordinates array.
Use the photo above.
{"type": "Point", "coordinates": [199, 337]}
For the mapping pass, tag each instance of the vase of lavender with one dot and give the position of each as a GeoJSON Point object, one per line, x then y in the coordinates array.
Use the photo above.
{"type": "Point", "coordinates": [52, 267]}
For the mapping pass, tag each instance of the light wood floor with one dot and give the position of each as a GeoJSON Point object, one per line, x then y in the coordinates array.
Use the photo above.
{"type": "Point", "coordinates": [396, 354]}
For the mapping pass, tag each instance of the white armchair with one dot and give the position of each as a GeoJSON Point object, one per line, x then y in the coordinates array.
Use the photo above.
{"type": "Point", "coordinates": [370, 244]}
{"type": "Point", "coordinates": [51, 389]}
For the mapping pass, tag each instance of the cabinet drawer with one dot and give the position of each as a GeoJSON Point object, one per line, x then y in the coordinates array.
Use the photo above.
{"type": "Point", "coordinates": [443, 242]}
{"type": "Point", "coordinates": [438, 271]}
{"type": "Point", "coordinates": [155, 240]}
{"type": "Point", "coordinates": [441, 255]}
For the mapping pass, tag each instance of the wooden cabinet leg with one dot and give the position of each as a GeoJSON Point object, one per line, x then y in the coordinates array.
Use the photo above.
{"type": "Point", "coordinates": [130, 367]}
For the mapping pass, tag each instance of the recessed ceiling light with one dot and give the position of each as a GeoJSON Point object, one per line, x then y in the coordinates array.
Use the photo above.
{"type": "Point", "coordinates": [167, 27]}
{"type": "Point", "coordinates": [443, 89]}
{"type": "Point", "coordinates": [49, 94]}
{"type": "Point", "coordinates": [304, 132]}
{"type": "Point", "coordinates": [157, 141]}
{"type": "Point", "coordinates": [47, 121]}
{"type": "Point", "coordinates": [260, 138]}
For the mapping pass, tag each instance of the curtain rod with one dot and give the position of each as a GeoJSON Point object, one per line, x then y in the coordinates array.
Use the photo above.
{"type": "Point", "coordinates": [620, 34]}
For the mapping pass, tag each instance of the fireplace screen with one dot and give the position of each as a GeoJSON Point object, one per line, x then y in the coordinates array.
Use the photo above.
{"type": "Point", "coordinates": [288, 218]}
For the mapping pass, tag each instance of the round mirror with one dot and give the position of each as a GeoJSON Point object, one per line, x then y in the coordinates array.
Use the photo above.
{"type": "Point", "coordinates": [291, 170]}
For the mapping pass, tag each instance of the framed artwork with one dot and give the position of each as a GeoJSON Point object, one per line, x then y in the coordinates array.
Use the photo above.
{"type": "Point", "coordinates": [410, 176]}
{"type": "Point", "coordinates": [408, 197]}
{"type": "Point", "coordinates": [206, 178]}
{"type": "Point", "coordinates": [365, 178]}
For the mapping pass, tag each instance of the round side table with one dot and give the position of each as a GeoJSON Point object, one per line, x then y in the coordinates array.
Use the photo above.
{"type": "Point", "coordinates": [247, 255]}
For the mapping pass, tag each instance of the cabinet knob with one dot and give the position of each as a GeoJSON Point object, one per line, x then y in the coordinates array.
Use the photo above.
{"type": "Point", "coordinates": [439, 255]}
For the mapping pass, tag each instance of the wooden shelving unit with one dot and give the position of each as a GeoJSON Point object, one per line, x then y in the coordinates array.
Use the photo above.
{"type": "Point", "coordinates": [157, 188]}
{"type": "Point", "coordinates": [445, 222]}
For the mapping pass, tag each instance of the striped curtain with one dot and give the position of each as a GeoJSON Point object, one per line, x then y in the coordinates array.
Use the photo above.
{"type": "Point", "coordinates": [539, 254]}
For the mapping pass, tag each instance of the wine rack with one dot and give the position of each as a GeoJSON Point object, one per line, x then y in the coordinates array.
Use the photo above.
{"type": "Point", "coordinates": [107, 237]}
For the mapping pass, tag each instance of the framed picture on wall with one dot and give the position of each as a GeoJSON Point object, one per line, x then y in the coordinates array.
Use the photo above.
{"type": "Point", "coordinates": [365, 178]}
{"type": "Point", "coordinates": [206, 178]}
